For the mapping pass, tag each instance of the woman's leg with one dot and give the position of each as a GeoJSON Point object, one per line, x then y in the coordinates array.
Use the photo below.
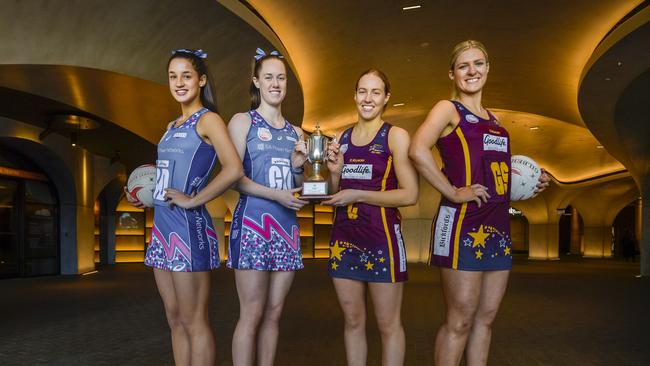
{"type": "Point", "coordinates": [267, 337]}
{"type": "Point", "coordinates": [387, 302]}
{"type": "Point", "coordinates": [193, 294]}
{"type": "Point", "coordinates": [352, 297]}
{"type": "Point", "coordinates": [180, 338]}
{"type": "Point", "coordinates": [461, 290]}
{"type": "Point", "coordinates": [492, 291]}
{"type": "Point", "coordinates": [252, 288]}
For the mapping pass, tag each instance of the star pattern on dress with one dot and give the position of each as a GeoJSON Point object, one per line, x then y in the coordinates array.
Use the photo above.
{"type": "Point", "coordinates": [382, 260]}
{"type": "Point", "coordinates": [506, 251]}
{"type": "Point", "coordinates": [335, 250]}
{"type": "Point", "coordinates": [369, 266]}
{"type": "Point", "coordinates": [502, 242]}
{"type": "Point", "coordinates": [479, 254]}
{"type": "Point", "coordinates": [479, 237]}
{"type": "Point", "coordinates": [335, 266]}
{"type": "Point", "coordinates": [363, 257]}
{"type": "Point", "coordinates": [467, 242]}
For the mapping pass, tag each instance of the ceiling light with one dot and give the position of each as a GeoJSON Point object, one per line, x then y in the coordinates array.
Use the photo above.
{"type": "Point", "coordinates": [599, 147]}
{"type": "Point", "coordinates": [619, 63]}
{"type": "Point", "coordinates": [608, 79]}
{"type": "Point", "coordinates": [399, 104]}
{"type": "Point", "coordinates": [534, 128]}
{"type": "Point", "coordinates": [73, 139]}
{"type": "Point", "coordinates": [413, 7]}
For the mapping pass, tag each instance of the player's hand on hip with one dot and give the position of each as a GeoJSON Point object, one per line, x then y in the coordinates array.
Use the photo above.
{"type": "Point", "coordinates": [134, 201]}
{"type": "Point", "coordinates": [474, 193]}
{"type": "Point", "coordinates": [288, 199]}
{"type": "Point", "coordinates": [180, 199]}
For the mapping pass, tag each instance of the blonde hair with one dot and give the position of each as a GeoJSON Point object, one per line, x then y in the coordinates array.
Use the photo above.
{"type": "Point", "coordinates": [460, 48]}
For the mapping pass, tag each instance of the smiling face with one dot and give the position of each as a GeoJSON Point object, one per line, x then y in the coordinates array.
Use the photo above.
{"type": "Point", "coordinates": [272, 81]}
{"type": "Point", "coordinates": [470, 71]}
{"type": "Point", "coordinates": [370, 97]}
{"type": "Point", "coordinates": [184, 81]}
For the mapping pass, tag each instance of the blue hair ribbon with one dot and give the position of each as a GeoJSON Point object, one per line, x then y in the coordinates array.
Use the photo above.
{"type": "Point", "coordinates": [198, 53]}
{"type": "Point", "coordinates": [259, 53]}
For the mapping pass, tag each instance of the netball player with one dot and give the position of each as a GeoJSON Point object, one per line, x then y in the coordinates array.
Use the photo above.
{"type": "Point", "coordinates": [371, 176]}
{"type": "Point", "coordinates": [471, 241]}
{"type": "Point", "coordinates": [183, 246]}
{"type": "Point", "coordinates": [264, 246]}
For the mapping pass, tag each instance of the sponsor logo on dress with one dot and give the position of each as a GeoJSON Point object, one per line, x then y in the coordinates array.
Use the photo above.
{"type": "Point", "coordinates": [471, 118]}
{"type": "Point", "coordinates": [280, 161]}
{"type": "Point", "coordinates": [264, 134]}
{"type": "Point", "coordinates": [444, 227]}
{"type": "Point", "coordinates": [376, 149]}
{"type": "Point", "coordinates": [400, 247]}
{"type": "Point", "coordinates": [495, 143]}
{"type": "Point", "coordinates": [180, 135]}
{"type": "Point", "coordinates": [357, 171]}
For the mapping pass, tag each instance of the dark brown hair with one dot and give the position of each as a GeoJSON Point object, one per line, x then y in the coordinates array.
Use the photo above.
{"type": "Point", "coordinates": [256, 97]}
{"type": "Point", "coordinates": [208, 99]}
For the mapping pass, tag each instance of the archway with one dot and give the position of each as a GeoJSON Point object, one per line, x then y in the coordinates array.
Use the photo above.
{"type": "Point", "coordinates": [41, 204]}
{"type": "Point", "coordinates": [624, 226]}
{"type": "Point", "coordinates": [571, 229]}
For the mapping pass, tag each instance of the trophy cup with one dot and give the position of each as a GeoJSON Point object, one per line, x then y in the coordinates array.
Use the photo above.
{"type": "Point", "coordinates": [314, 188]}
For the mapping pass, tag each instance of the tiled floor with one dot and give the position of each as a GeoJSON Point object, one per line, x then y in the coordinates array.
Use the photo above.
{"type": "Point", "coordinates": [569, 312]}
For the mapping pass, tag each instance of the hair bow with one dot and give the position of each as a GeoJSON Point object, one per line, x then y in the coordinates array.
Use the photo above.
{"type": "Point", "coordinates": [259, 53]}
{"type": "Point", "coordinates": [198, 53]}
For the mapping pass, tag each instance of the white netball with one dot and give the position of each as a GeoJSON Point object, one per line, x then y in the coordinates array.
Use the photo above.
{"type": "Point", "coordinates": [142, 183]}
{"type": "Point", "coordinates": [524, 177]}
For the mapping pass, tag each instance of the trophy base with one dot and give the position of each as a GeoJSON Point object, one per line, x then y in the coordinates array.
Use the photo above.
{"type": "Point", "coordinates": [314, 191]}
{"type": "Point", "coordinates": [314, 198]}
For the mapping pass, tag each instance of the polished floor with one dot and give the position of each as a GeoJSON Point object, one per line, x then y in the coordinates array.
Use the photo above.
{"type": "Point", "coordinates": [569, 312]}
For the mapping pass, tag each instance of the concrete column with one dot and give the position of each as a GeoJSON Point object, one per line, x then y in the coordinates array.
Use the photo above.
{"type": "Point", "coordinates": [597, 242]}
{"type": "Point", "coordinates": [83, 175]}
{"type": "Point", "coordinates": [638, 220]}
{"type": "Point", "coordinates": [644, 242]}
{"type": "Point", "coordinates": [543, 241]}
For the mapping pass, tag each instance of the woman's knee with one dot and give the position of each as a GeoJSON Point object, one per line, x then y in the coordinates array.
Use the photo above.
{"type": "Point", "coordinates": [485, 316]}
{"type": "Point", "coordinates": [460, 319]}
{"type": "Point", "coordinates": [273, 312]}
{"type": "Point", "coordinates": [250, 315]}
{"type": "Point", "coordinates": [354, 318]}
{"type": "Point", "coordinates": [173, 318]}
{"type": "Point", "coordinates": [389, 324]}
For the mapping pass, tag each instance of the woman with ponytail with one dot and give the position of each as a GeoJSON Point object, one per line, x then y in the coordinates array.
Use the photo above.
{"type": "Point", "coordinates": [264, 245]}
{"type": "Point", "coordinates": [183, 247]}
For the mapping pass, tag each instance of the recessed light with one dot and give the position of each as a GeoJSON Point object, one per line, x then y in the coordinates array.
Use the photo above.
{"type": "Point", "coordinates": [413, 7]}
{"type": "Point", "coordinates": [599, 147]}
{"type": "Point", "coordinates": [619, 63]}
{"type": "Point", "coordinates": [534, 128]}
{"type": "Point", "coordinates": [399, 104]}
{"type": "Point", "coordinates": [608, 79]}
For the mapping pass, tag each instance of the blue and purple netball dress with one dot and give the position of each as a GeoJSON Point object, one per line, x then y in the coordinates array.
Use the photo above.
{"type": "Point", "coordinates": [468, 237]}
{"type": "Point", "coordinates": [367, 242]}
{"type": "Point", "coordinates": [264, 235]}
{"type": "Point", "coordinates": [182, 240]}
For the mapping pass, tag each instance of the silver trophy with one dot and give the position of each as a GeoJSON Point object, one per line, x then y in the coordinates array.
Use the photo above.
{"type": "Point", "coordinates": [315, 187]}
